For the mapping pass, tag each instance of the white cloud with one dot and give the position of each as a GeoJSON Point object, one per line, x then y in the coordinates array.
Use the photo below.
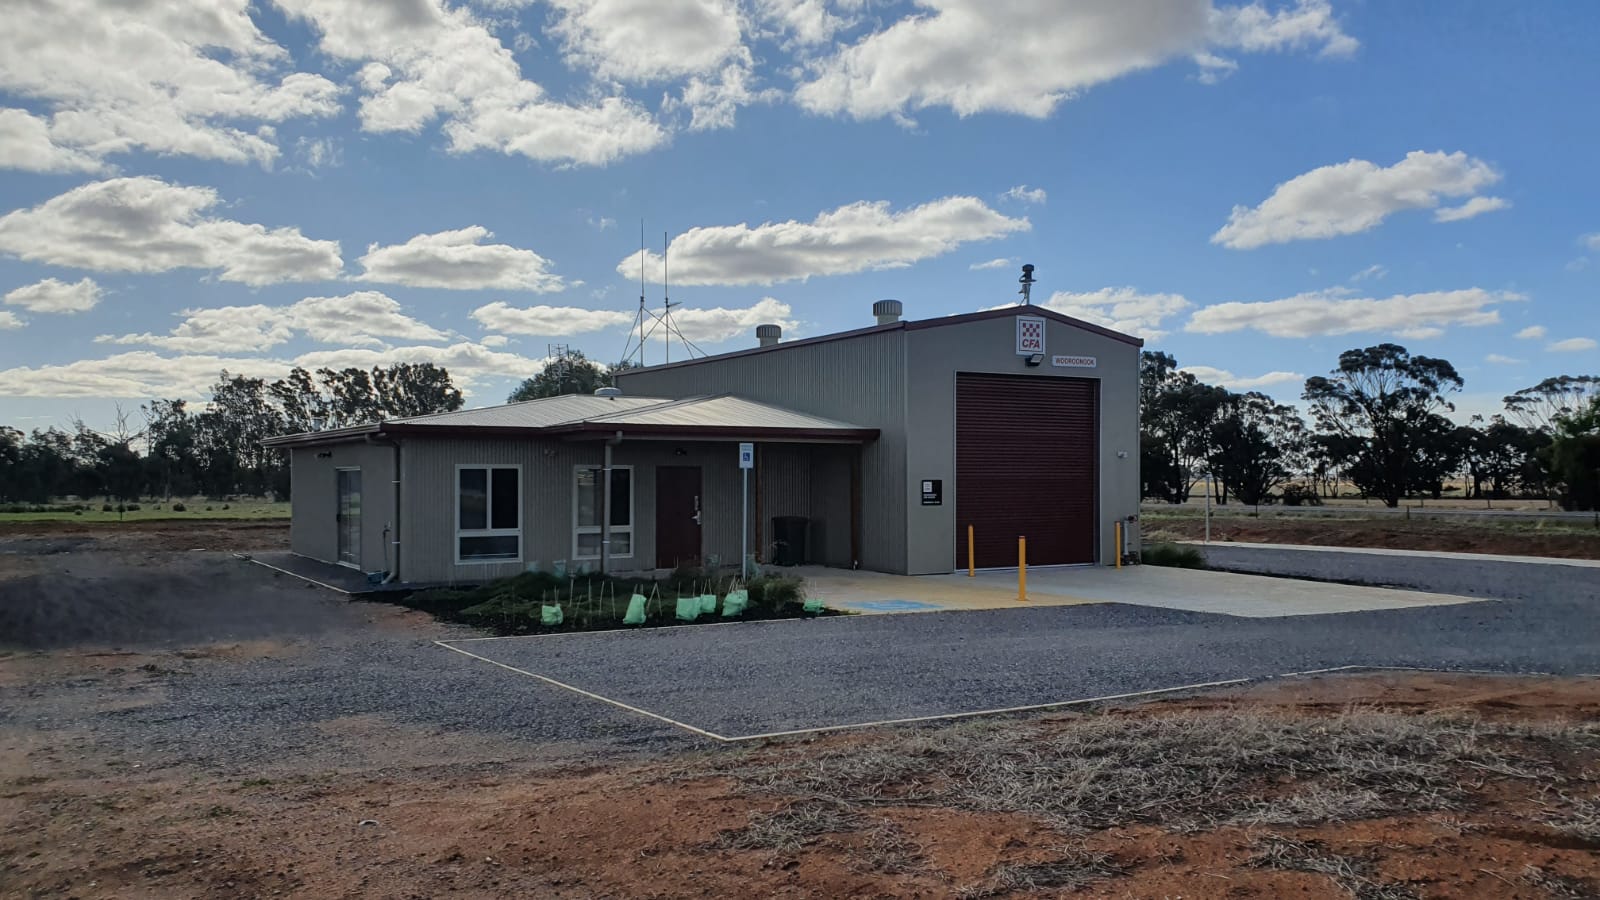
{"type": "Point", "coordinates": [1474, 207]}
{"type": "Point", "coordinates": [644, 41]}
{"type": "Point", "coordinates": [1572, 345]}
{"type": "Point", "coordinates": [1027, 56]}
{"type": "Point", "coordinates": [1533, 332]}
{"type": "Point", "coordinates": [997, 263]}
{"type": "Point", "coordinates": [9, 320]}
{"type": "Point", "coordinates": [1591, 241]}
{"type": "Point", "coordinates": [1374, 271]}
{"type": "Point", "coordinates": [421, 62]}
{"type": "Point", "coordinates": [1332, 313]}
{"type": "Point", "coordinates": [25, 144]}
{"type": "Point", "coordinates": [806, 23]}
{"type": "Point", "coordinates": [1121, 309]}
{"type": "Point", "coordinates": [1307, 24]}
{"type": "Point", "coordinates": [1213, 68]}
{"type": "Point", "coordinates": [140, 374]}
{"type": "Point", "coordinates": [852, 238]}
{"type": "Point", "coordinates": [468, 362]}
{"type": "Point", "coordinates": [714, 100]}
{"type": "Point", "coordinates": [171, 78]}
{"type": "Point", "coordinates": [458, 260]}
{"type": "Point", "coordinates": [1502, 360]}
{"type": "Point", "coordinates": [53, 296]}
{"type": "Point", "coordinates": [1025, 194]}
{"type": "Point", "coordinates": [495, 340]}
{"type": "Point", "coordinates": [710, 326]}
{"type": "Point", "coordinates": [318, 153]}
{"type": "Point", "coordinates": [1354, 196]}
{"type": "Point", "coordinates": [548, 321]}
{"type": "Point", "coordinates": [1233, 382]}
{"type": "Point", "coordinates": [147, 225]}
{"type": "Point", "coordinates": [359, 318]}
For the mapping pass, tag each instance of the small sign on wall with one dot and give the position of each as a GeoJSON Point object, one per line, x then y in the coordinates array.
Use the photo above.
{"type": "Point", "coordinates": [932, 492]}
{"type": "Point", "coordinates": [1030, 335]}
{"type": "Point", "coordinates": [1074, 362]}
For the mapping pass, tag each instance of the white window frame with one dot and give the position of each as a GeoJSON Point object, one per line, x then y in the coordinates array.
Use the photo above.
{"type": "Point", "coordinates": [629, 529]}
{"type": "Point", "coordinates": [455, 496]}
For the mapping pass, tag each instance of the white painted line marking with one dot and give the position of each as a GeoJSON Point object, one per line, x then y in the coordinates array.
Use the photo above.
{"type": "Point", "coordinates": [987, 712]}
{"type": "Point", "coordinates": [274, 568]}
{"type": "Point", "coordinates": [590, 694]}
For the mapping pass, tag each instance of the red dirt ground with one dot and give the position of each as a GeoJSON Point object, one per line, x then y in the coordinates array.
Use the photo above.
{"type": "Point", "coordinates": [1417, 534]}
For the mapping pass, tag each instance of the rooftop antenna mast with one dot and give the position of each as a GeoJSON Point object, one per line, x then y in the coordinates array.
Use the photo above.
{"type": "Point", "coordinates": [1027, 281]}
{"type": "Point", "coordinates": [666, 295]}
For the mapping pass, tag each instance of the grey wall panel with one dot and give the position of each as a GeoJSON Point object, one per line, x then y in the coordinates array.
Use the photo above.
{"type": "Point", "coordinates": [312, 504]}
{"type": "Point", "coordinates": [428, 553]}
{"type": "Point", "coordinates": [313, 491]}
{"type": "Point", "coordinates": [830, 504]}
{"type": "Point", "coordinates": [859, 380]}
{"type": "Point", "coordinates": [935, 355]}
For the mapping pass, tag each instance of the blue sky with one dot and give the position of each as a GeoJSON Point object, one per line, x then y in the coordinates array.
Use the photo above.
{"type": "Point", "coordinates": [1252, 187]}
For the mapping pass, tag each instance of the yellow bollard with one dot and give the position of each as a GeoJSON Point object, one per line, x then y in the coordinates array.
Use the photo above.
{"type": "Point", "coordinates": [1119, 543]}
{"type": "Point", "coordinates": [1022, 569]}
{"type": "Point", "coordinates": [972, 556]}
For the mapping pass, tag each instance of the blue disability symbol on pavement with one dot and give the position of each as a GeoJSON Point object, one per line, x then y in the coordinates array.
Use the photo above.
{"type": "Point", "coordinates": [893, 605]}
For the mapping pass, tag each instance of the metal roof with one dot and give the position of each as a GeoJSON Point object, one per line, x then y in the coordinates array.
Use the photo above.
{"type": "Point", "coordinates": [724, 416]}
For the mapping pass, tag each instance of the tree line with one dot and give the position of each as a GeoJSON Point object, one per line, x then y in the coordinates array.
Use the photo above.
{"type": "Point", "coordinates": [215, 450]}
{"type": "Point", "coordinates": [1378, 422]}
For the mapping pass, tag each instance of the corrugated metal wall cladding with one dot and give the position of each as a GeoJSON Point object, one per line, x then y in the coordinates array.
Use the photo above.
{"type": "Point", "coordinates": [1026, 464]}
{"type": "Point", "coordinates": [859, 380]}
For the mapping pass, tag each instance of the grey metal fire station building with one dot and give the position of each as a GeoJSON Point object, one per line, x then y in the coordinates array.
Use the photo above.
{"type": "Point", "coordinates": [874, 448]}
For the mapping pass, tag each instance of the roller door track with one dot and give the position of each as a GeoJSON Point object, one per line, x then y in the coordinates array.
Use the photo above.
{"type": "Point", "coordinates": [1027, 452]}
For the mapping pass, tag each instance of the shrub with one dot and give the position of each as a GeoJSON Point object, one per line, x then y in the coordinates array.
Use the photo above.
{"type": "Point", "coordinates": [132, 507]}
{"type": "Point", "coordinates": [179, 507]}
{"type": "Point", "coordinates": [1300, 495]}
{"type": "Point", "coordinates": [776, 594]}
{"type": "Point", "coordinates": [224, 506]}
{"type": "Point", "coordinates": [1173, 555]}
{"type": "Point", "coordinates": [106, 507]}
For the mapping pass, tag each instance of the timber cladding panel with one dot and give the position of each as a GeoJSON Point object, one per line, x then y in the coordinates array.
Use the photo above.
{"type": "Point", "coordinates": [1026, 465]}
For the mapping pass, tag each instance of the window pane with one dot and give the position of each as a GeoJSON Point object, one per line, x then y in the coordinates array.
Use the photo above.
{"type": "Point", "coordinates": [588, 504]}
{"type": "Point", "coordinates": [621, 496]}
{"type": "Point", "coordinates": [499, 547]}
{"type": "Point", "coordinates": [474, 496]}
{"type": "Point", "coordinates": [504, 508]}
{"type": "Point", "coordinates": [589, 544]}
{"type": "Point", "coordinates": [621, 543]}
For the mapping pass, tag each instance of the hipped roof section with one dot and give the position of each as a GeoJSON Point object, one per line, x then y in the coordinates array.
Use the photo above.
{"type": "Point", "coordinates": [721, 417]}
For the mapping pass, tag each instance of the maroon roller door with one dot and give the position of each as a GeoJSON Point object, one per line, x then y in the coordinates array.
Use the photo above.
{"type": "Point", "coordinates": [1026, 451]}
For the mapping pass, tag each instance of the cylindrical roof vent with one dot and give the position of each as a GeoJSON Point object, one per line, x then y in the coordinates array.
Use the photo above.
{"type": "Point", "coordinates": [887, 311]}
{"type": "Point", "coordinates": [608, 392]}
{"type": "Point", "coordinates": [768, 334]}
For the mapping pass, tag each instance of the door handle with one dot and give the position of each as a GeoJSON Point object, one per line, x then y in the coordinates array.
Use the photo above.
{"type": "Point", "coordinates": [697, 509]}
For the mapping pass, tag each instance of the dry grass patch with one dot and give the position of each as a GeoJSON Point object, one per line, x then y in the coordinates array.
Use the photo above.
{"type": "Point", "coordinates": [1352, 874]}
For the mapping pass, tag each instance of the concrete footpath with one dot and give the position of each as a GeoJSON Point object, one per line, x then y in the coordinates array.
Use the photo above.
{"type": "Point", "coordinates": [1468, 574]}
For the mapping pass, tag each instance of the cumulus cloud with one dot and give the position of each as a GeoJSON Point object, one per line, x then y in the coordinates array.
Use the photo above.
{"type": "Point", "coordinates": [1333, 313]}
{"type": "Point", "coordinates": [1572, 345]}
{"type": "Point", "coordinates": [804, 23]}
{"type": "Point", "coordinates": [1233, 382]}
{"type": "Point", "coordinates": [548, 321]}
{"type": "Point", "coordinates": [963, 54]}
{"type": "Point", "coordinates": [9, 320]}
{"type": "Point", "coordinates": [852, 238]}
{"type": "Point", "coordinates": [1591, 241]}
{"type": "Point", "coordinates": [710, 326]}
{"type": "Point", "coordinates": [997, 263]}
{"type": "Point", "coordinates": [1475, 207]}
{"type": "Point", "coordinates": [1374, 271]}
{"type": "Point", "coordinates": [1121, 309]}
{"type": "Point", "coordinates": [459, 260]}
{"type": "Point", "coordinates": [25, 144]}
{"type": "Point", "coordinates": [170, 78]}
{"type": "Point", "coordinates": [1533, 332]}
{"type": "Point", "coordinates": [1354, 196]}
{"type": "Point", "coordinates": [1025, 194]}
{"type": "Point", "coordinates": [1503, 360]}
{"type": "Point", "coordinates": [54, 296]}
{"type": "Point", "coordinates": [147, 225]}
{"type": "Point", "coordinates": [647, 41]}
{"type": "Point", "coordinates": [353, 319]}
{"type": "Point", "coordinates": [468, 362]}
{"type": "Point", "coordinates": [421, 62]}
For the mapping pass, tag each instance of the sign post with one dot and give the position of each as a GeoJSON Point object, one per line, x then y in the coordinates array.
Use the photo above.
{"type": "Point", "coordinates": [747, 461]}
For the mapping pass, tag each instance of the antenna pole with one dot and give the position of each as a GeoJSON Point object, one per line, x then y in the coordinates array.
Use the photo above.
{"type": "Point", "coordinates": [641, 293]}
{"type": "Point", "coordinates": [666, 294]}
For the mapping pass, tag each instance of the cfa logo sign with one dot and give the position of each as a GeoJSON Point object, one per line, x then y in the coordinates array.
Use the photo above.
{"type": "Point", "coordinates": [1030, 335]}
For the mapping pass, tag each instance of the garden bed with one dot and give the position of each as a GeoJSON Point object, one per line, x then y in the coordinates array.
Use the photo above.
{"type": "Point", "coordinates": [545, 603]}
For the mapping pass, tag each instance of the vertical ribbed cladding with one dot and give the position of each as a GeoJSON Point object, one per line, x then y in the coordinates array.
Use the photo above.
{"type": "Point", "coordinates": [887, 311]}
{"type": "Point", "coordinates": [768, 335]}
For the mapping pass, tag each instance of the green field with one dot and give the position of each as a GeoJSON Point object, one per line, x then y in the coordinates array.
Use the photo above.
{"type": "Point", "coordinates": [196, 509]}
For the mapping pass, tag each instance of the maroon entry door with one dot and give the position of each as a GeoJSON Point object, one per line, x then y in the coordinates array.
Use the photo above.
{"type": "Point", "coordinates": [1026, 465]}
{"type": "Point", "coordinates": [677, 516]}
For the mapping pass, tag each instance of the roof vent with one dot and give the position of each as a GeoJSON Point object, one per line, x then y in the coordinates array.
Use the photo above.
{"type": "Point", "coordinates": [768, 335]}
{"type": "Point", "coordinates": [887, 311]}
{"type": "Point", "coordinates": [612, 392]}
